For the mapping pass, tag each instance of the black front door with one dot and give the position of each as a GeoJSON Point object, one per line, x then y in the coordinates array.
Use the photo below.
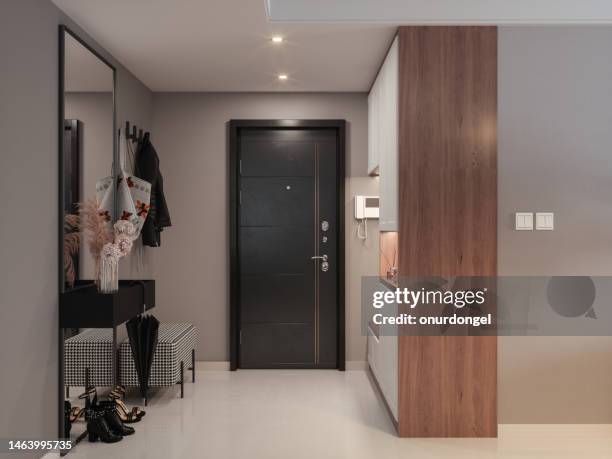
{"type": "Point", "coordinates": [288, 247]}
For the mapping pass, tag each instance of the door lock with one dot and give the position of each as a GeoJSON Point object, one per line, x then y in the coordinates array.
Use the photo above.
{"type": "Point", "coordinates": [324, 263]}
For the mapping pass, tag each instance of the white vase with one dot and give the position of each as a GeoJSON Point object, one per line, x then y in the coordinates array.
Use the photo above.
{"type": "Point", "coordinates": [109, 275]}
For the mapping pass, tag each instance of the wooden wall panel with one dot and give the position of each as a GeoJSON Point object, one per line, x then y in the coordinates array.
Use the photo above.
{"type": "Point", "coordinates": [448, 218]}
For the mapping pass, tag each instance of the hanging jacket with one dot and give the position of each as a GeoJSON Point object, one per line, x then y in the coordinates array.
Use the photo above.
{"type": "Point", "coordinates": [147, 168]}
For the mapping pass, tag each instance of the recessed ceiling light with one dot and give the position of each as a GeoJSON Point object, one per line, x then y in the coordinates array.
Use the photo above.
{"type": "Point", "coordinates": [277, 39]}
{"type": "Point", "coordinates": [282, 76]}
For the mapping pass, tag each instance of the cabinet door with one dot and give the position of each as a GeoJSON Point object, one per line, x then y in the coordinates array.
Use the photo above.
{"type": "Point", "coordinates": [388, 154]}
{"type": "Point", "coordinates": [382, 357]}
{"type": "Point", "coordinates": [372, 131]}
{"type": "Point", "coordinates": [374, 128]}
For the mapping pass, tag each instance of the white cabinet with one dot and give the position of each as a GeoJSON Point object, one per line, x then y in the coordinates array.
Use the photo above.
{"type": "Point", "coordinates": [382, 359]}
{"type": "Point", "coordinates": [382, 136]}
{"type": "Point", "coordinates": [383, 102]}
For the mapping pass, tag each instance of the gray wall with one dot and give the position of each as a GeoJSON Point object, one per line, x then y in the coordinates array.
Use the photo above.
{"type": "Point", "coordinates": [28, 233]}
{"type": "Point", "coordinates": [191, 267]}
{"type": "Point", "coordinates": [555, 154]}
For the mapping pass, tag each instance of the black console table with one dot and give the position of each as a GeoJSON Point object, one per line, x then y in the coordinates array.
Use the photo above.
{"type": "Point", "coordinates": [84, 307]}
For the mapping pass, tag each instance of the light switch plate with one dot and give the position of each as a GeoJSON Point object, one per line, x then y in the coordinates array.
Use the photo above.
{"type": "Point", "coordinates": [523, 221]}
{"type": "Point", "coordinates": [545, 221]}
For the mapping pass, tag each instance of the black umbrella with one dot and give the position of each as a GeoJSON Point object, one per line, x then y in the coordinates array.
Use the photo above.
{"type": "Point", "coordinates": [143, 334]}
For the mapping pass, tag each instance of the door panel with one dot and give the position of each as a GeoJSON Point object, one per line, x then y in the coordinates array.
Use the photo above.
{"type": "Point", "coordinates": [276, 250]}
{"type": "Point", "coordinates": [294, 345]}
{"type": "Point", "coordinates": [277, 201]}
{"type": "Point", "coordinates": [281, 298]}
{"type": "Point", "coordinates": [283, 155]}
{"type": "Point", "coordinates": [288, 306]}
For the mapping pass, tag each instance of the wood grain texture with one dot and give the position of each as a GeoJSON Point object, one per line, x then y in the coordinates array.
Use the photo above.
{"type": "Point", "coordinates": [448, 219]}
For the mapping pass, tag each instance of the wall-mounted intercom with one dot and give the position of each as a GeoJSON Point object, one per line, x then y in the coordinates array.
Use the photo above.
{"type": "Point", "coordinates": [365, 207]}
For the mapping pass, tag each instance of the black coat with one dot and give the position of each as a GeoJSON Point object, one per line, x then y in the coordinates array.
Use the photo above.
{"type": "Point", "coordinates": [147, 168]}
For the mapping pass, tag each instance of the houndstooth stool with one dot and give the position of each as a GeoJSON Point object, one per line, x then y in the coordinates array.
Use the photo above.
{"type": "Point", "coordinates": [88, 358]}
{"type": "Point", "coordinates": [175, 351]}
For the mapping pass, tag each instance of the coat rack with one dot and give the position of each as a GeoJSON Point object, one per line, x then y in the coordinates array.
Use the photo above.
{"type": "Point", "coordinates": [135, 135]}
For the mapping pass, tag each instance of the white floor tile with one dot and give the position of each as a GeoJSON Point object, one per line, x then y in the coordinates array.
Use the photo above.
{"type": "Point", "coordinates": [311, 414]}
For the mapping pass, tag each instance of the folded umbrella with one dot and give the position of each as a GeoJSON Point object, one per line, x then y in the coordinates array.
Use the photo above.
{"type": "Point", "coordinates": [143, 335]}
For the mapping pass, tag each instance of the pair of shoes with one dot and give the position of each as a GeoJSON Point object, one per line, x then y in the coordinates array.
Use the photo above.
{"type": "Point", "coordinates": [103, 421]}
{"type": "Point", "coordinates": [104, 424]}
{"type": "Point", "coordinates": [126, 415]}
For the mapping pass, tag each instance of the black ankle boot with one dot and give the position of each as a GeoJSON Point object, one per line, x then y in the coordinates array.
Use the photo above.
{"type": "Point", "coordinates": [114, 421]}
{"type": "Point", "coordinates": [97, 428]}
{"type": "Point", "coordinates": [67, 423]}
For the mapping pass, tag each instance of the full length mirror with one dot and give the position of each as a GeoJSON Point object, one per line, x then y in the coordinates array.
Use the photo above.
{"type": "Point", "coordinates": [87, 151]}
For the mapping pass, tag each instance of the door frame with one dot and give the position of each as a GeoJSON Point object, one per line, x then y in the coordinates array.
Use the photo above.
{"type": "Point", "coordinates": [235, 125]}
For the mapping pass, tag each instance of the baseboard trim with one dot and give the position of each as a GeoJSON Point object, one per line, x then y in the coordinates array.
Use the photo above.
{"type": "Point", "coordinates": [381, 396]}
{"type": "Point", "coordinates": [222, 365]}
{"type": "Point", "coordinates": [356, 365]}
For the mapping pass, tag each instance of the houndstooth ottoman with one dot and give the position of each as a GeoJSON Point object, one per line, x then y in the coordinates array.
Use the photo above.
{"type": "Point", "coordinates": [92, 350]}
{"type": "Point", "coordinates": [89, 350]}
{"type": "Point", "coordinates": [175, 353]}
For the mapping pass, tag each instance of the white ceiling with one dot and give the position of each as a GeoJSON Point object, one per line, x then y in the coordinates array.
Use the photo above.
{"type": "Point", "coordinates": [224, 45]}
{"type": "Point", "coordinates": [83, 71]}
{"type": "Point", "coordinates": [445, 11]}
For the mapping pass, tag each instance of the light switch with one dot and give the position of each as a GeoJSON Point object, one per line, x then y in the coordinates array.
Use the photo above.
{"type": "Point", "coordinates": [523, 221]}
{"type": "Point", "coordinates": [545, 221]}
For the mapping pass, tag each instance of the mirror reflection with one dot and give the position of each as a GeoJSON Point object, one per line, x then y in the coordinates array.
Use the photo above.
{"type": "Point", "coordinates": [87, 153]}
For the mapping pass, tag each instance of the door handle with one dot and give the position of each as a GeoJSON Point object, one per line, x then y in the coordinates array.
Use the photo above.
{"type": "Point", "coordinates": [324, 263]}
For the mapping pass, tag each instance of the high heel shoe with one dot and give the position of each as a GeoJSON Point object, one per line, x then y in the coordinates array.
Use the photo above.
{"type": "Point", "coordinates": [90, 396]}
{"type": "Point", "coordinates": [118, 391]}
{"type": "Point", "coordinates": [76, 413]}
{"type": "Point", "coordinates": [127, 416]}
{"type": "Point", "coordinates": [98, 429]}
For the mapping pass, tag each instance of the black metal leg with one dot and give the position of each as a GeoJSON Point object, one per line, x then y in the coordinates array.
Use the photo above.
{"type": "Point", "coordinates": [118, 361]}
{"type": "Point", "coordinates": [193, 365]}
{"type": "Point", "coordinates": [114, 356]}
{"type": "Point", "coordinates": [67, 392]}
{"type": "Point", "coordinates": [182, 379]}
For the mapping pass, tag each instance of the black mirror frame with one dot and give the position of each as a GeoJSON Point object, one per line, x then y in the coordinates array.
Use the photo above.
{"type": "Point", "coordinates": [63, 30]}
